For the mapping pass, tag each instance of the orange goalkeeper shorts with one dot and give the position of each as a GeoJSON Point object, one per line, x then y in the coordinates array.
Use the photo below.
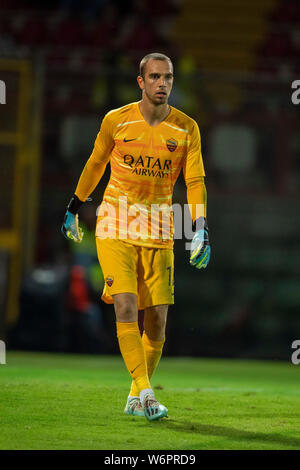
{"type": "Point", "coordinates": [146, 272]}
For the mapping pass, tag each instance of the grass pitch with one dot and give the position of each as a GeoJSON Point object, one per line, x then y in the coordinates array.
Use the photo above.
{"type": "Point", "coordinates": [56, 401]}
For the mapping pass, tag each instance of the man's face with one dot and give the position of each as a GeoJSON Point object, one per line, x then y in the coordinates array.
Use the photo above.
{"type": "Point", "coordinates": [158, 80]}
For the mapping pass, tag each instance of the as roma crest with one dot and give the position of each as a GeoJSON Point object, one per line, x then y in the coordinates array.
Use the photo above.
{"type": "Point", "coordinates": [172, 144]}
{"type": "Point", "coordinates": [109, 281]}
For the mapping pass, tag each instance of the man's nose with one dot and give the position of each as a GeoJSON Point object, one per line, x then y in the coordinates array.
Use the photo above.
{"type": "Point", "coordinates": [162, 81]}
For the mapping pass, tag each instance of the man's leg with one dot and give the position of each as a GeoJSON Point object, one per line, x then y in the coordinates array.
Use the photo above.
{"type": "Point", "coordinates": [130, 340]}
{"type": "Point", "coordinates": [134, 356]}
{"type": "Point", "coordinates": [155, 319]}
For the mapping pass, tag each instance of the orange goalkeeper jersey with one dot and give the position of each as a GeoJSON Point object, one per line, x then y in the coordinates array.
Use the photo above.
{"type": "Point", "coordinates": [145, 163]}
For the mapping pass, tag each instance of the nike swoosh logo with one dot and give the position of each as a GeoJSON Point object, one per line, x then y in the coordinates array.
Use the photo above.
{"type": "Point", "coordinates": [132, 371]}
{"type": "Point", "coordinates": [128, 140]}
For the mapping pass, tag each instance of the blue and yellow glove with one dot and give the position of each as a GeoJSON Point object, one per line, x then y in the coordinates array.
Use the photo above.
{"type": "Point", "coordinates": [200, 249]}
{"type": "Point", "coordinates": [70, 227]}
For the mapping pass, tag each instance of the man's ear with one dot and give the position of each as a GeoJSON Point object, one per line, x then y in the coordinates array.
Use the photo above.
{"type": "Point", "coordinates": [140, 81]}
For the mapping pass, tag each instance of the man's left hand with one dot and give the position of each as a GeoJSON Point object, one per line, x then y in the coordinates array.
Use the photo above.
{"type": "Point", "coordinates": [200, 249]}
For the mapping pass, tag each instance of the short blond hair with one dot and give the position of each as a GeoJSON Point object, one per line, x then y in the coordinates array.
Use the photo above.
{"type": "Point", "coordinates": [154, 56]}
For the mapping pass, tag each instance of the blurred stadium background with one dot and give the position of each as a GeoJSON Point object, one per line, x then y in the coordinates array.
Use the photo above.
{"type": "Point", "coordinates": [65, 64]}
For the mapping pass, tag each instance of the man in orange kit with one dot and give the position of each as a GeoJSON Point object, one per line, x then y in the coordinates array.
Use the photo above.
{"type": "Point", "coordinates": [147, 144]}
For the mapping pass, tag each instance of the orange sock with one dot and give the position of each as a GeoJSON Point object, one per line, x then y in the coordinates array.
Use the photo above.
{"type": "Point", "coordinates": [133, 353]}
{"type": "Point", "coordinates": [153, 350]}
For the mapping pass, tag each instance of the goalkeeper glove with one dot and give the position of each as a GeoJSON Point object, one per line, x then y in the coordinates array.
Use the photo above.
{"type": "Point", "coordinates": [70, 227]}
{"type": "Point", "coordinates": [200, 249]}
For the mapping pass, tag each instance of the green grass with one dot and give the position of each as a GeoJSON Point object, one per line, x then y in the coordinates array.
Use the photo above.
{"type": "Point", "coordinates": [53, 401]}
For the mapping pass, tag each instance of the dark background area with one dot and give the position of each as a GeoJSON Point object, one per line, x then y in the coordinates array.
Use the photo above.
{"type": "Point", "coordinates": [234, 65]}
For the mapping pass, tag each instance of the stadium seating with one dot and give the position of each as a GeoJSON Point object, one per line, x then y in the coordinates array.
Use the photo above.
{"type": "Point", "coordinates": [234, 63]}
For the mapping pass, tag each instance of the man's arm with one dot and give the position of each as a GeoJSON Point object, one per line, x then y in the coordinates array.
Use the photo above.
{"type": "Point", "coordinates": [197, 199]}
{"type": "Point", "coordinates": [96, 164]}
{"type": "Point", "coordinates": [90, 177]}
{"type": "Point", "coordinates": [196, 196]}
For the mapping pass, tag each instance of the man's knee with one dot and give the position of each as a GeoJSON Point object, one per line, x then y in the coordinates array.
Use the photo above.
{"type": "Point", "coordinates": [126, 307]}
{"type": "Point", "coordinates": [155, 322]}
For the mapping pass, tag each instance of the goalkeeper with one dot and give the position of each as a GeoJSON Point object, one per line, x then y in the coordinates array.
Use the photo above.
{"type": "Point", "coordinates": [147, 144]}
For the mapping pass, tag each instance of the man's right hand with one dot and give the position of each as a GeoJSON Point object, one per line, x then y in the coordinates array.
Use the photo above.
{"type": "Point", "coordinates": [70, 227]}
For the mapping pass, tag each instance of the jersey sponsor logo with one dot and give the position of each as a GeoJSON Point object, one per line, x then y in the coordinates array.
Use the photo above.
{"type": "Point", "coordinates": [147, 172]}
{"type": "Point", "coordinates": [148, 166]}
{"type": "Point", "coordinates": [128, 140]}
{"type": "Point", "coordinates": [109, 280]}
{"type": "Point", "coordinates": [171, 144]}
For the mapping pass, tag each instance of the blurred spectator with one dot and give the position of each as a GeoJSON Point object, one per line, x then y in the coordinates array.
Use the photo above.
{"type": "Point", "coordinates": [83, 8]}
{"type": "Point", "coordinates": [85, 323]}
{"type": "Point", "coordinates": [286, 12]}
{"type": "Point", "coordinates": [70, 32]}
{"type": "Point", "coordinates": [184, 89]}
{"type": "Point", "coordinates": [41, 319]}
{"type": "Point", "coordinates": [33, 31]}
{"type": "Point", "coordinates": [105, 29]}
{"type": "Point", "coordinates": [140, 31]}
{"type": "Point", "coordinates": [84, 254]}
{"type": "Point", "coordinates": [142, 35]}
{"type": "Point", "coordinates": [277, 45]}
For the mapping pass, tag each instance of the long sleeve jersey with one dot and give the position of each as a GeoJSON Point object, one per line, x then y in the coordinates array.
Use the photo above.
{"type": "Point", "coordinates": [145, 163]}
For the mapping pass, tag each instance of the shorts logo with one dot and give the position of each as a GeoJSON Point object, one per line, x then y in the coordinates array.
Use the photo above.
{"type": "Point", "coordinates": [172, 144]}
{"type": "Point", "coordinates": [109, 280]}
